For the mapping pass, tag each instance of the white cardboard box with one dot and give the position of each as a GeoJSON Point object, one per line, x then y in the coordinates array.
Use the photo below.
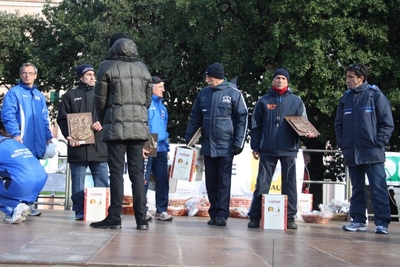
{"type": "Point", "coordinates": [188, 164]}
{"type": "Point", "coordinates": [305, 203]}
{"type": "Point", "coordinates": [97, 201]}
{"type": "Point", "coordinates": [274, 212]}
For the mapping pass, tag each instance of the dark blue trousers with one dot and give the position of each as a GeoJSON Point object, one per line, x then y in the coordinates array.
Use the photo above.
{"type": "Point", "coordinates": [159, 167]}
{"type": "Point", "coordinates": [218, 172]}
{"type": "Point", "coordinates": [266, 169]}
{"type": "Point", "coordinates": [379, 193]}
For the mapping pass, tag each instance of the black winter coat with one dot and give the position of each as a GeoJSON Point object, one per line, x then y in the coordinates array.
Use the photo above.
{"type": "Point", "coordinates": [79, 100]}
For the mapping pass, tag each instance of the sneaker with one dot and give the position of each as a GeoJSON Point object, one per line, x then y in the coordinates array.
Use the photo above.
{"type": "Point", "coordinates": [254, 223]}
{"type": "Point", "coordinates": [381, 230]}
{"type": "Point", "coordinates": [79, 215]}
{"type": "Point", "coordinates": [355, 227]}
{"type": "Point", "coordinates": [142, 225]}
{"type": "Point", "coordinates": [149, 216]}
{"type": "Point", "coordinates": [20, 212]}
{"type": "Point", "coordinates": [34, 212]}
{"type": "Point", "coordinates": [220, 221]}
{"type": "Point", "coordinates": [291, 224]}
{"type": "Point", "coordinates": [7, 219]}
{"type": "Point", "coordinates": [212, 221]}
{"type": "Point", "coordinates": [163, 216]}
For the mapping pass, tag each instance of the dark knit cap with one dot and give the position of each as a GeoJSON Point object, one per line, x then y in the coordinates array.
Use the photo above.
{"type": "Point", "coordinates": [82, 69]}
{"type": "Point", "coordinates": [281, 72]}
{"type": "Point", "coordinates": [116, 36]}
{"type": "Point", "coordinates": [216, 70]}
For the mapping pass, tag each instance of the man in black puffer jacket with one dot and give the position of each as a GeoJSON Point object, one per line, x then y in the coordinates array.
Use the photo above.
{"type": "Point", "coordinates": [80, 155]}
{"type": "Point", "coordinates": [123, 94]}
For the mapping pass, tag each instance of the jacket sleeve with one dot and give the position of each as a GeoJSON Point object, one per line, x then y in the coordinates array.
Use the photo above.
{"type": "Point", "coordinates": [385, 123]}
{"type": "Point", "coordinates": [196, 118]}
{"type": "Point", "coordinates": [240, 117]}
{"type": "Point", "coordinates": [338, 125]}
{"type": "Point", "coordinates": [9, 114]}
{"type": "Point", "coordinates": [46, 120]}
{"type": "Point", "coordinates": [63, 110]}
{"type": "Point", "coordinates": [101, 90]}
{"type": "Point", "coordinates": [256, 126]}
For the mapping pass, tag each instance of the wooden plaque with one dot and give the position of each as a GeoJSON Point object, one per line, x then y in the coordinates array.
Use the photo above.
{"type": "Point", "coordinates": [301, 125]}
{"type": "Point", "coordinates": [151, 145]}
{"type": "Point", "coordinates": [80, 128]}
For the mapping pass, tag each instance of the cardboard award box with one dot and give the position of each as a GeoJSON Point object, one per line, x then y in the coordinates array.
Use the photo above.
{"type": "Point", "coordinates": [188, 164]}
{"type": "Point", "coordinates": [305, 203]}
{"type": "Point", "coordinates": [274, 212]}
{"type": "Point", "coordinates": [97, 201]}
{"type": "Point", "coordinates": [80, 128]}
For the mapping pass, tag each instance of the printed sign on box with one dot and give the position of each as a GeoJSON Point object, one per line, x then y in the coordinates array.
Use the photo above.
{"type": "Point", "coordinates": [274, 212]}
{"type": "Point", "coordinates": [305, 203]}
{"type": "Point", "coordinates": [188, 164]}
{"type": "Point", "coordinates": [97, 201]}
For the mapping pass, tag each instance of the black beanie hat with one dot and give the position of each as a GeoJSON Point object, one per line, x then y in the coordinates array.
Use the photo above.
{"type": "Point", "coordinates": [116, 36]}
{"type": "Point", "coordinates": [216, 70]}
{"type": "Point", "coordinates": [281, 72]}
{"type": "Point", "coordinates": [82, 69]}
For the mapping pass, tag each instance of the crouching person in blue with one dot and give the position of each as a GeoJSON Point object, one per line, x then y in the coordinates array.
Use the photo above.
{"type": "Point", "coordinates": [18, 185]}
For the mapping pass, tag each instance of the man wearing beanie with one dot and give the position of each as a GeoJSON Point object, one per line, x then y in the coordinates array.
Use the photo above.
{"type": "Point", "coordinates": [80, 155]}
{"type": "Point", "coordinates": [123, 93]}
{"type": "Point", "coordinates": [221, 112]}
{"type": "Point", "coordinates": [273, 139]}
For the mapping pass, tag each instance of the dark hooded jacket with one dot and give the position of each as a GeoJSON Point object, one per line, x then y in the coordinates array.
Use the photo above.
{"type": "Point", "coordinates": [80, 100]}
{"type": "Point", "coordinates": [221, 112]}
{"type": "Point", "coordinates": [271, 135]}
{"type": "Point", "coordinates": [123, 93]}
{"type": "Point", "coordinates": [363, 125]}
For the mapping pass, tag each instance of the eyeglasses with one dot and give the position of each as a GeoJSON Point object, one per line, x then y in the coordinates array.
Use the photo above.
{"type": "Point", "coordinates": [355, 67]}
{"type": "Point", "coordinates": [28, 73]}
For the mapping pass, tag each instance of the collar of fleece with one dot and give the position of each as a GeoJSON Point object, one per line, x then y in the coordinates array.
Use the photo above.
{"type": "Point", "coordinates": [280, 91]}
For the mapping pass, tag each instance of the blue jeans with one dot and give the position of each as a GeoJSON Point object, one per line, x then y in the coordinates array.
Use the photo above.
{"type": "Point", "coordinates": [266, 169]}
{"type": "Point", "coordinates": [159, 167]}
{"type": "Point", "coordinates": [379, 193]}
{"type": "Point", "coordinates": [99, 172]}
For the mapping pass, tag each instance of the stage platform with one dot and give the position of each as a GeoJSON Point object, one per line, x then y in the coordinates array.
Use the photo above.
{"type": "Point", "coordinates": [56, 239]}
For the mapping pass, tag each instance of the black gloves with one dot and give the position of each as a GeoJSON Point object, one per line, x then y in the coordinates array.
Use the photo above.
{"type": "Point", "coordinates": [237, 150]}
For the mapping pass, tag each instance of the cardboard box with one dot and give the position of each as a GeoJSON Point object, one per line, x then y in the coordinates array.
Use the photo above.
{"type": "Point", "coordinates": [97, 201]}
{"type": "Point", "coordinates": [188, 164]}
{"type": "Point", "coordinates": [274, 212]}
{"type": "Point", "coordinates": [305, 203]}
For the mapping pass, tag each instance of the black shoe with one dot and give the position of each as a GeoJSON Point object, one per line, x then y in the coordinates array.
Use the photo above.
{"type": "Point", "coordinates": [220, 221]}
{"type": "Point", "coordinates": [211, 221]}
{"type": "Point", "coordinates": [107, 224]}
{"type": "Point", "coordinates": [254, 223]}
{"type": "Point", "coordinates": [291, 224]}
{"type": "Point", "coordinates": [142, 225]}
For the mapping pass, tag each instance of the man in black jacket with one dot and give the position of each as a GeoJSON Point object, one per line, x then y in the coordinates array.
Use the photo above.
{"type": "Point", "coordinates": [81, 155]}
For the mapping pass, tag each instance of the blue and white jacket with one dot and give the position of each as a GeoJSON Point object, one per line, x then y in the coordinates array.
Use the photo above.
{"type": "Point", "coordinates": [158, 121]}
{"type": "Point", "coordinates": [24, 113]}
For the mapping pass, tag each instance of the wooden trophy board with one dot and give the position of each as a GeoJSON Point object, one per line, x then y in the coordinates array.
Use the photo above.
{"type": "Point", "coordinates": [301, 125]}
{"type": "Point", "coordinates": [80, 128]}
{"type": "Point", "coordinates": [151, 145]}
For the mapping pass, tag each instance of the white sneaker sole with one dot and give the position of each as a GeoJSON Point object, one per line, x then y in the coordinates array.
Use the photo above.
{"type": "Point", "coordinates": [20, 212]}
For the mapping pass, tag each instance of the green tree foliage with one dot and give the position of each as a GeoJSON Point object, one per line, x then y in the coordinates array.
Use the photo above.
{"type": "Point", "coordinates": [177, 39]}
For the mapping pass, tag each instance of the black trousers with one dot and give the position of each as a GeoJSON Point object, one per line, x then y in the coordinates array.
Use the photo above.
{"type": "Point", "coordinates": [116, 162]}
{"type": "Point", "coordinates": [218, 173]}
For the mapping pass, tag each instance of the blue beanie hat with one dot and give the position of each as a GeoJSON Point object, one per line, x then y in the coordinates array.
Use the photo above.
{"type": "Point", "coordinates": [216, 70]}
{"type": "Point", "coordinates": [281, 72]}
{"type": "Point", "coordinates": [82, 69]}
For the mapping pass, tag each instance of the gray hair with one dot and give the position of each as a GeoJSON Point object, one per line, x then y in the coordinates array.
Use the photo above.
{"type": "Point", "coordinates": [27, 64]}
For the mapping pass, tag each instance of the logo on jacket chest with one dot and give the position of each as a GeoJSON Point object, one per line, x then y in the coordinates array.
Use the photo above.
{"type": "Point", "coordinates": [77, 98]}
{"type": "Point", "coordinates": [271, 106]}
{"type": "Point", "coordinates": [226, 99]}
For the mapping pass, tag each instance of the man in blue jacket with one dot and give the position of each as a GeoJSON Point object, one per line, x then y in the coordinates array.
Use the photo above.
{"type": "Point", "coordinates": [221, 112]}
{"type": "Point", "coordinates": [82, 156]}
{"type": "Point", "coordinates": [158, 121]}
{"type": "Point", "coordinates": [24, 107]}
{"type": "Point", "coordinates": [273, 139]}
{"type": "Point", "coordinates": [363, 127]}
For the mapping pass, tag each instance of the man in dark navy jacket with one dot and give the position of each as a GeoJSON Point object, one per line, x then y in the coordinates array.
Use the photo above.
{"type": "Point", "coordinates": [363, 126]}
{"type": "Point", "coordinates": [221, 112]}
